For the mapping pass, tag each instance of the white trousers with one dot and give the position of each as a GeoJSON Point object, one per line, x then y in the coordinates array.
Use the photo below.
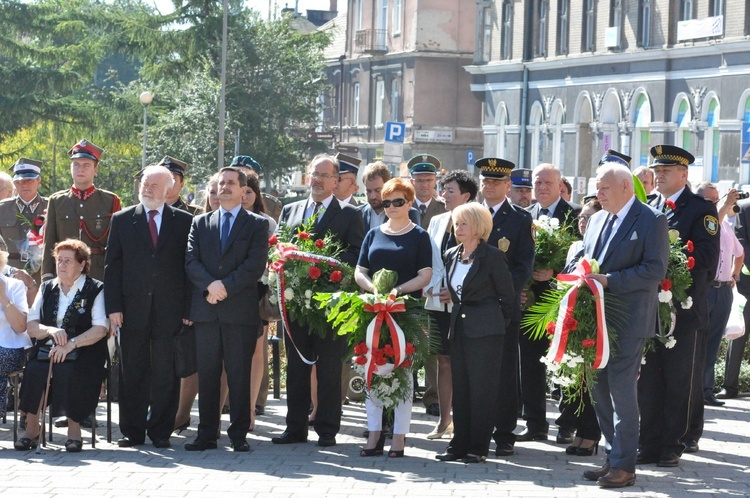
{"type": "Point", "coordinates": [401, 414]}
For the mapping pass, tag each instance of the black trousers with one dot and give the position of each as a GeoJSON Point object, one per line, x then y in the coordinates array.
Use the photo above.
{"type": "Point", "coordinates": [476, 388]}
{"type": "Point", "coordinates": [697, 409]}
{"type": "Point", "coordinates": [507, 414]}
{"type": "Point", "coordinates": [584, 422]}
{"type": "Point", "coordinates": [329, 353]}
{"type": "Point", "coordinates": [147, 379]}
{"type": "Point", "coordinates": [534, 383]}
{"type": "Point", "coordinates": [665, 389]}
{"type": "Point", "coordinates": [230, 346]}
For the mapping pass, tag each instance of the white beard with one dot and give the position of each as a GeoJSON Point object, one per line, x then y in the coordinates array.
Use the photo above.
{"type": "Point", "coordinates": [150, 204]}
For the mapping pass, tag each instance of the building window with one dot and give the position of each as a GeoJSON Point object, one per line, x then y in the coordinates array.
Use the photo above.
{"type": "Point", "coordinates": [644, 23]}
{"type": "Point", "coordinates": [379, 100]}
{"type": "Point", "coordinates": [487, 34]}
{"type": "Point", "coordinates": [686, 10]}
{"type": "Point", "coordinates": [683, 137]}
{"type": "Point", "coordinates": [507, 41]}
{"type": "Point", "coordinates": [641, 133]}
{"type": "Point", "coordinates": [716, 8]}
{"type": "Point", "coordinates": [541, 40]}
{"type": "Point", "coordinates": [355, 105]}
{"type": "Point", "coordinates": [589, 26]}
{"type": "Point", "coordinates": [395, 96]}
{"type": "Point", "coordinates": [712, 139]}
{"type": "Point", "coordinates": [358, 14]}
{"type": "Point", "coordinates": [563, 26]}
{"type": "Point", "coordinates": [615, 13]}
{"type": "Point", "coordinates": [396, 17]}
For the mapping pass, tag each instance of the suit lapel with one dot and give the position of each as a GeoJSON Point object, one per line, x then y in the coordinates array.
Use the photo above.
{"type": "Point", "coordinates": [214, 230]}
{"type": "Point", "coordinates": [623, 230]}
{"type": "Point", "coordinates": [474, 268]}
{"type": "Point", "coordinates": [329, 214]}
{"type": "Point", "coordinates": [140, 224]}
{"type": "Point", "coordinates": [167, 222]}
{"type": "Point", "coordinates": [237, 226]}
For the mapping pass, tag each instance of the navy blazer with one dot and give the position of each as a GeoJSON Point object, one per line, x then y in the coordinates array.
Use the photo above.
{"type": "Point", "coordinates": [239, 268]}
{"type": "Point", "coordinates": [487, 298]}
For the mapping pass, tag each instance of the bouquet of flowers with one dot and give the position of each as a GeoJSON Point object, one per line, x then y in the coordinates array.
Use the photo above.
{"type": "Point", "coordinates": [302, 266]}
{"type": "Point", "coordinates": [389, 334]}
{"type": "Point", "coordinates": [30, 247]}
{"type": "Point", "coordinates": [552, 242]}
{"type": "Point", "coordinates": [575, 315]}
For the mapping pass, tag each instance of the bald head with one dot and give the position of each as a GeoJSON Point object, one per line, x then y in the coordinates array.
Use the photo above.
{"type": "Point", "coordinates": [614, 185]}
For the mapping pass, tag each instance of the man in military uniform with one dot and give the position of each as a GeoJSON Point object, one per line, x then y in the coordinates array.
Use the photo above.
{"type": "Point", "coordinates": [347, 186]}
{"type": "Point", "coordinates": [511, 233]}
{"type": "Point", "coordinates": [22, 217]}
{"type": "Point", "coordinates": [273, 204]}
{"type": "Point", "coordinates": [520, 187]}
{"type": "Point", "coordinates": [81, 212]}
{"type": "Point", "coordinates": [666, 383]}
{"type": "Point", "coordinates": [174, 198]}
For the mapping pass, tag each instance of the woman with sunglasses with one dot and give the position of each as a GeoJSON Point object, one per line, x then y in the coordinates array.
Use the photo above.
{"type": "Point", "coordinates": [402, 246]}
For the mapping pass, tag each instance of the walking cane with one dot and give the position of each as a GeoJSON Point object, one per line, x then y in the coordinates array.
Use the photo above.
{"type": "Point", "coordinates": [43, 410]}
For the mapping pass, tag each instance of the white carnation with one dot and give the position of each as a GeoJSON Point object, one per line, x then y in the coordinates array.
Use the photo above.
{"type": "Point", "coordinates": [643, 360]}
{"type": "Point", "coordinates": [554, 223]}
{"type": "Point", "coordinates": [271, 277]}
{"type": "Point", "coordinates": [272, 299]}
{"type": "Point", "coordinates": [671, 342]}
{"type": "Point", "coordinates": [687, 303]}
{"type": "Point", "coordinates": [308, 294]}
{"type": "Point", "coordinates": [665, 296]}
{"type": "Point", "coordinates": [288, 294]}
{"type": "Point", "coordinates": [264, 279]}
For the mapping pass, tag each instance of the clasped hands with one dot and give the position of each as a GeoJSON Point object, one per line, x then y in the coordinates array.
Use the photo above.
{"type": "Point", "coordinates": [216, 292]}
{"type": "Point", "coordinates": [62, 346]}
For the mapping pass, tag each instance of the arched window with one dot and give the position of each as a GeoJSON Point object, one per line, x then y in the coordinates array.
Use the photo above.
{"type": "Point", "coordinates": [641, 132]}
{"type": "Point", "coordinates": [712, 140]}
{"type": "Point", "coordinates": [683, 135]}
{"type": "Point", "coordinates": [558, 144]}
{"type": "Point", "coordinates": [501, 122]}
{"type": "Point", "coordinates": [537, 137]}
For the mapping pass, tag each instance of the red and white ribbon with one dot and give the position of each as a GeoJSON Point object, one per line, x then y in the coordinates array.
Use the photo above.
{"type": "Point", "coordinates": [383, 310]}
{"type": "Point", "coordinates": [579, 276]}
{"type": "Point", "coordinates": [288, 252]}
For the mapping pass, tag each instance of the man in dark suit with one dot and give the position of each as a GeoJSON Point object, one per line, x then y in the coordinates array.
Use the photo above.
{"type": "Point", "coordinates": [347, 186]}
{"type": "Point", "coordinates": [511, 233]}
{"type": "Point", "coordinates": [629, 241]}
{"type": "Point", "coordinates": [226, 255]}
{"type": "Point", "coordinates": [146, 296]}
{"type": "Point", "coordinates": [668, 389]}
{"type": "Point", "coordinates": [174, 199]}
{"type": "Point", "coordinates": [373, 213]}
{"type": "Point", "coordinates": [345, 224]}
{"type": "Point", "coordinates": [546, 179]}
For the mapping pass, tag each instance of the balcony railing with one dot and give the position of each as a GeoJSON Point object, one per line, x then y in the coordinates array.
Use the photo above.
{"type": "Point", "coordinates": [371, 41]}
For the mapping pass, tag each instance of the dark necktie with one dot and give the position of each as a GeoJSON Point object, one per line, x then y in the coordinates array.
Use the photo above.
{"type": "Point", "coordinates": [317, 207]}
{"type": "Point", "coordinates": [604, 237]}
{"type": "Point", "coordinates": [544, 212]}
{"type": "Point", "coordinates": [152, 226]}
{"type": "Point", "coordinates": [225, 230]}
{"type": "Point", "coordinates": [492, 211]}
{"type": "Point", "coordinates": [423, 209]}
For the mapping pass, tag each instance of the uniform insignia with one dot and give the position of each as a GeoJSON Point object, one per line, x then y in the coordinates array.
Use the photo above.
{"type": "Point", "coordinates": [424, 157]}
{"type": "Point", "coordinates": [658, 149]}
{"type": "Point", "coordinates": [503, 244]}
{"type": "Point", "coordinates": [533, 232]}
{"type": "Point", "coordinates": [711, 224]}
{"type": "Point", "coordinates": [99, 224]}
{"type": "Point", "coordinates": [492, 162]}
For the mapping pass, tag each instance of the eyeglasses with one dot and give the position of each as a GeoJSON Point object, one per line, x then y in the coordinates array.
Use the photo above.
{"type": "Point", "coordinates": [395, 202]}
{"type": "Point", "coordinates": [319, 176]}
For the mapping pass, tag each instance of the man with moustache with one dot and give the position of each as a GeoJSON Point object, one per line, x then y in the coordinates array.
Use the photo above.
{"type": "Point", "coordinates": [146, 295]}
{"type": "Point", "coordinates": [520, 187]}
{"type": "Point", "coordinates": [667, 388]}
{"type": "Point", "coordinates": [511, 233]}
{"type": "Point", "coordinates": [347, 186]}
{"type": "Point", "coordinates": [225, 257]}
{"type": "Point", "coordinates": [547, 181]}
{"type": "Point", "coordinates": [345, 224]}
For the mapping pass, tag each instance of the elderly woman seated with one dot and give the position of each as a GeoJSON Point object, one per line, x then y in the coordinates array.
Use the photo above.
{"type": "Point", "coordinates": [68, 320]}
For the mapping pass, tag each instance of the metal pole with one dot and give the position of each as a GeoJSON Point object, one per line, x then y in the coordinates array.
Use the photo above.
{"type": "Point", "coordinates": [222, 98]}
{"type": "Point", "coordinates": [145, 128]}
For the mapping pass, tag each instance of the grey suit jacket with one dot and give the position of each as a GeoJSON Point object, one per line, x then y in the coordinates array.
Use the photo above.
{"type": "Point", "coordinates": [435, 208]}
{"type": "Point", "coordinates": [635, 263]}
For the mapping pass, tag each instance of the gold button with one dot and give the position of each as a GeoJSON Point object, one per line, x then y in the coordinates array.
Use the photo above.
{"type": "Point", "coordinates": [463, 315]}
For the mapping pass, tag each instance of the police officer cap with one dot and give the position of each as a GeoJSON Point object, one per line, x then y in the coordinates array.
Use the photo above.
{"type": "Point", "coordinates": [494, 167]}
{"type": "Point", "coordinates": [86, 149]}
{"type": "Point", "coordinates": [174, 165]}
{"type": "Point", "coordinates": [670, 155]}
{"type": "Point", "coordinates": [423, 164]}
{"type": "Point", "coordinates": [247, 162]}
{"type": "Point", "coordinates": [520, 178]}
{"type": "Point", "coordinates": [612, 156]}
{"type": "Point", "coordinates": [347, 164]}
{"type": "Point", "coordinates": [26, 168]}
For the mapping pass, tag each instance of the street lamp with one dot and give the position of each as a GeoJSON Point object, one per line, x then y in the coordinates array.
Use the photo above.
{"type": "Point", "coordinates": [146, 98]}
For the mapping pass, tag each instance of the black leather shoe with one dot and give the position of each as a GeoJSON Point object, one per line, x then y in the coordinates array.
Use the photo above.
{"type": "Point", "coordinates": [240, 445]}
{"type": "Point", "coordinates": [504, 449]}
{"type": "Point", "coordinates": [162, 443]}
{"type": "Point", "coordinates": [434, 410]}
{"type": "Point", "coordinates": [668, 460]}
{"type": "Point", "coordinates": [287, 437]}
{"type": "Point", "coordinates": [564, 436]}
{"type": "Point", "coordinates": [448, 457]}
{"type": "Point", "coordinates": [594, 475]}
{"type": "Point", "coordinates": [526, 435]}
{"type": "Point", "coordinates": [260, 410]}
{"type": "Point", "coordinates": [646, 458]}
{"type": "Point", "coordinates": [726, 394]}
{"type": "Point", "coordinates": [126, 442]}
{"type": "Point", "coordinates": [474, 459]}
{"type": "Point", "coordinates": [712, 401]}
{"type": "Point", "coordinates": [326, 441]}
{"type": "Point", "coordinates": [691, 446]}
{"type": "Point", "coordinates": [200, 445]}
{"type": "Point", "coordinates": [617, 478]}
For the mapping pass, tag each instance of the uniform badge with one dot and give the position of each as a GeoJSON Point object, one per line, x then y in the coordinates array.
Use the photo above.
{"type": "Point", "coordinates": [99, 224]}
{"type": "Point", "coordinates": [503, 244]}
{"type": "Point", "coordinates": [711, 224]}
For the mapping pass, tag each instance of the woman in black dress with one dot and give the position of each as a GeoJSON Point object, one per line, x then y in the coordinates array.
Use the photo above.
{"type": "Point", "coordinates": [68, 315]}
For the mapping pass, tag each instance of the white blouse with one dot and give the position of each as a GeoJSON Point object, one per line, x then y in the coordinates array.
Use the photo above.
{"type": "Point", "coordinates": [98, 313]}
{"type": "Point", "coordinates": [457, 279]}
{"type": "Point", "coordinates": [16, 292]}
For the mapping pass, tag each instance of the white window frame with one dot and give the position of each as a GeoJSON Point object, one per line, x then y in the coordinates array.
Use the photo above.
{"type": "Point", "coordinates": [397, 8]}
{"type": "Point", "coordinates": [355, 105]}
{"type": "Point", "coordinates": [379, 101]}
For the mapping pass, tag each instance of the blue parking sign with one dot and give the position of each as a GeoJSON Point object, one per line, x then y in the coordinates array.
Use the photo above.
{"type": "Point", "coordinates": [395, 131]}
{"type": "Point", "coordinates": [469, 157]}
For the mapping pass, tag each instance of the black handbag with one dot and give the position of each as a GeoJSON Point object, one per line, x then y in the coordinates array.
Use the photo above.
{"type": "Point", "coordinates": [44, 350]}
{"type": "Point", "coordinates": [185, 352]}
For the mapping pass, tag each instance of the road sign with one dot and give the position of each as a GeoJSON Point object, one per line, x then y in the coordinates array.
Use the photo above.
{"type": "Point", "coordinates": [395, 131]}
{"type": "Point", "coordinates": [347, 148]}
{"type": "Point", "coordinates": [469, 157]}
{"type": "Point", "coordinates": [745, 157]}
{"type": "Point", "coordinates": [323, 136]}
{"type": "Point", "coordinates": [746, 132]}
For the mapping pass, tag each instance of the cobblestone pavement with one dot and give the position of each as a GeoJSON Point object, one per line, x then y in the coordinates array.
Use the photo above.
{"type": "Point", "coordinates": [721, 468]}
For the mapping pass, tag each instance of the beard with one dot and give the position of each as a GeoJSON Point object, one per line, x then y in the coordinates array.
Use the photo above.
{"type": "Point", "coordinates": [150, 203]}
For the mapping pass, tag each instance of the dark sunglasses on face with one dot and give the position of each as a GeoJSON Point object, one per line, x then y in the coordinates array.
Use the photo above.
{"type": "Point", "coordinates": [396, 203]}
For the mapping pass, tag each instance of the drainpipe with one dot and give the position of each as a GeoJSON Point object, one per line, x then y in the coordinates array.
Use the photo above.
{"type": "Point", "coordinates": [524, 112]}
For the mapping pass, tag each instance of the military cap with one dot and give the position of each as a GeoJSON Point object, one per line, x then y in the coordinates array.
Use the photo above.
{"type": "Point", "coordinates": [174, 165]}
{"type": "Point", "coordinates": [612, 156]}
{"type": "Point", "coordinates": [670, 155]}
{"type": "Point", "coordinates": [494, 167]}
{"type": "Point", "coordinates": [423, 164]}
{"type": "Point", "coordinates": [521, 178]}
{"type": "Point", "coordinates": [84, 148]}
{"type": "Point", "coordinates": [26, 168]}
{"type": "Point", "coordinates": [347, 164]}
{"type": "Point", "coordinates": [246, 162]}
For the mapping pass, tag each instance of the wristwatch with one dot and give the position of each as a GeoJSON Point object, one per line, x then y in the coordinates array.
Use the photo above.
{"type": "Point", "coordinates": [73, 340]}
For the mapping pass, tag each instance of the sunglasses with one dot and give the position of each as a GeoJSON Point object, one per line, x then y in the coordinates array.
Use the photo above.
{"type": "Point", "coordinates": [396, 203]}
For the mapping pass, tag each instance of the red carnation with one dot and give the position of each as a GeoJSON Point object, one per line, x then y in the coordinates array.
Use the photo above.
{"type": "Point", "coordinates": [314, 272]}
{"type": "Point", "coordinates": [588, 343]}
{"type": "Point", "coordinates": [39, 221]}
{"type": "Point", "coordinates": [666, 284]}
{"type": "Point", "coordinates": [551, 328]}
{"type": "Point", "coordinates": [360, 360]}
{"type": "Point", "coordinates": [410, 349]}
{"type": "Point", "coordinates": [689, 246]}
{"type": "Point", "coordinates": [388, 350]}
{"type": "Point", "coordinates": [273, 240]}
{"type": "Point", "coordinates": [336, 276]}
{"type": "Point", "coordinates": [380, 360]}
{"type": "Point", "coordinates": [361, 348]}
{"type": "Point", "coordinates": [570, 323]}
{"type": "Point", "coordinates": [406, 364]}
{"type": "Point", "coordinates": [303, 235]}
{"type": "Point", "coordinates": [670, 204]}
{"type": "Point", "coordinates": [690, 263]}
{"type": "Point", "coordinates": [320, 244]}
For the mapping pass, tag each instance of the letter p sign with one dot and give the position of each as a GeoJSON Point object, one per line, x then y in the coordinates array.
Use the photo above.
{"type": "Point", "coordinates": [395, 131]}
